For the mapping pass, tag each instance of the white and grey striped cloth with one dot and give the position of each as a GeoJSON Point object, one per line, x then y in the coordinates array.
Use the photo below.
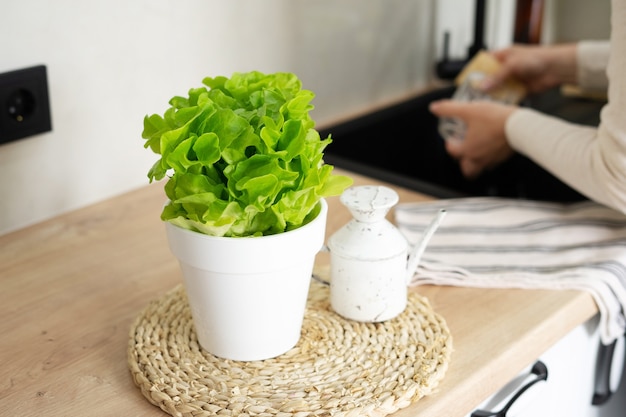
{"type": "Point", "coordinates": [493, 242]}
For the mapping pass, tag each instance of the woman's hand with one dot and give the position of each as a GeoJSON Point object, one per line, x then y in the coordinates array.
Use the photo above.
{"type": "Point", "coordinates": [538, 67]}
{"type": "Point", "coordinates": [485, 145]}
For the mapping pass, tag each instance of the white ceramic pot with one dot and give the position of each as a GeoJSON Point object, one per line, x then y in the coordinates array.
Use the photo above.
{"type": "Point", "coordinates": [370, 263]}
{"type": "Point", "coordinates": [248, 295]}
{"type": "Point", "coordinates": [368, 258]}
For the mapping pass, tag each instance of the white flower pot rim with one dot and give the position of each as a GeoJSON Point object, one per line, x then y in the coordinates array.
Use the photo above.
{"type": "Point", "coordinates": [215, 252]}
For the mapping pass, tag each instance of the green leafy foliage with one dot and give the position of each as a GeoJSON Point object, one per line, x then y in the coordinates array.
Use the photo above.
{"type": "Point", "coordinates": [242, 156]}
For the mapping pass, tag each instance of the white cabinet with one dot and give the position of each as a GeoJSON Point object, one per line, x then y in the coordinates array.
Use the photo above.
{"type": "Point", "coordinates": [570, 385]}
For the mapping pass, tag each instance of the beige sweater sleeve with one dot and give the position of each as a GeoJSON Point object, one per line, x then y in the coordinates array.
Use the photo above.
{"type": "Point", "coordinates": [591, 160]}
{"type": "Point", "coordinates": [592, 58]}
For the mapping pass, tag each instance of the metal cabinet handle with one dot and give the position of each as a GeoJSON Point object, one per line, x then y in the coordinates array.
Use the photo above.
{"type": "Point", "coordinates": [539, 369]}
{"type": "Point", "coordinates": [608, 370]}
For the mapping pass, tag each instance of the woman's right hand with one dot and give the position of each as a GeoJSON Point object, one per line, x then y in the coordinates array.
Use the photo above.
{"type": "Point", "coordinates": [538, 67]}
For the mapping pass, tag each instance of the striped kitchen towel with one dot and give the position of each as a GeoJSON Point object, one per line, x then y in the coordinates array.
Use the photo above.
{"type": "Point", "coordinates": [493, 242]}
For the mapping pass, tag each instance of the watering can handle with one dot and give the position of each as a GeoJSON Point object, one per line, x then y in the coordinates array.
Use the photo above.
{"type": "Point", "coordinates": [418, 249]}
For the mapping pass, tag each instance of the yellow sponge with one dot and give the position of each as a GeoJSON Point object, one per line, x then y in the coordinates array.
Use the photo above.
{"type": "Point", "coordinates": [510, 91]}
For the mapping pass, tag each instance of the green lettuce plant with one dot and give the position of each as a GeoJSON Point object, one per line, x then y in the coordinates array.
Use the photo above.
{"type": "Point", "coordinates": [242, 156]}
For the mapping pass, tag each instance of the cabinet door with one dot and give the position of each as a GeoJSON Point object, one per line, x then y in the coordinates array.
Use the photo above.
{"type": "Point", "coordinates": [569, 387]}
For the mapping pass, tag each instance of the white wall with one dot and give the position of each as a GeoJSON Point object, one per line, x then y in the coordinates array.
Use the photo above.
{"type": "Point", "coordinates": [110, 62]}
{"type": "Point", "coordinates": [361, 53]}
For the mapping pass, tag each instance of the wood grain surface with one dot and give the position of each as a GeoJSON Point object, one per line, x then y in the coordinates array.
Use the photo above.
{"type": "Point", "coordinates": [71, 286]}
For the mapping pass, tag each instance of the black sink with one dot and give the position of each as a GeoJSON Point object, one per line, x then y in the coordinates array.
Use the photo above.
{"type": "Point", "coordinates": [400, 144]}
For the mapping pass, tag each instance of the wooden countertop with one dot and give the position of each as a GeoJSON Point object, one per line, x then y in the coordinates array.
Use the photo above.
{"type": "Point", "coordinates": [71, 286]}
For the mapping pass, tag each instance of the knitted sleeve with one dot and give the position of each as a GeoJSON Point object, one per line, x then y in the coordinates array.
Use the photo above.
{"type": "Point", "coordinates": [592, 59]}
{"type": "Point", "coordinates": [591, 160]}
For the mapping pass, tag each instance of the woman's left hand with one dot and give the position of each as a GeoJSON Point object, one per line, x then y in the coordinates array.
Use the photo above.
{"type": "Point", "coordinates": [485, 144]}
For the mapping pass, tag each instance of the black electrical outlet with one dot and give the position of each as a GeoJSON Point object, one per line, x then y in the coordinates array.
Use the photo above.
{"type": "Point", "coordinates": [24, 103]}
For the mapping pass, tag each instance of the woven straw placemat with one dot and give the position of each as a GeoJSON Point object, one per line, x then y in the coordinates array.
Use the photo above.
{"type": "Point", "coordinates": [338, 368]}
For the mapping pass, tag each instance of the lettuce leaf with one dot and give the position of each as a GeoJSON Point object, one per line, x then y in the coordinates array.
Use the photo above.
{"type": "Point", "coordinates": [241, 156]}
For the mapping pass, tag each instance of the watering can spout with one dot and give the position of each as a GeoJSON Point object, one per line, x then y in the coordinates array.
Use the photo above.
{"type": "Point", "coordinates": [418, 249]}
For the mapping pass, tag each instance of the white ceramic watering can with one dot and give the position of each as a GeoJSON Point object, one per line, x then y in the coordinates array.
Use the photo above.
{"type": "Point", "coordinates": [370, 264]}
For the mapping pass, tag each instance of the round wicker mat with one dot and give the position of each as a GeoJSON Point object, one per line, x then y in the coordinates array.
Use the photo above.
{"type": "Point", "coordinates": [339, 367]}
